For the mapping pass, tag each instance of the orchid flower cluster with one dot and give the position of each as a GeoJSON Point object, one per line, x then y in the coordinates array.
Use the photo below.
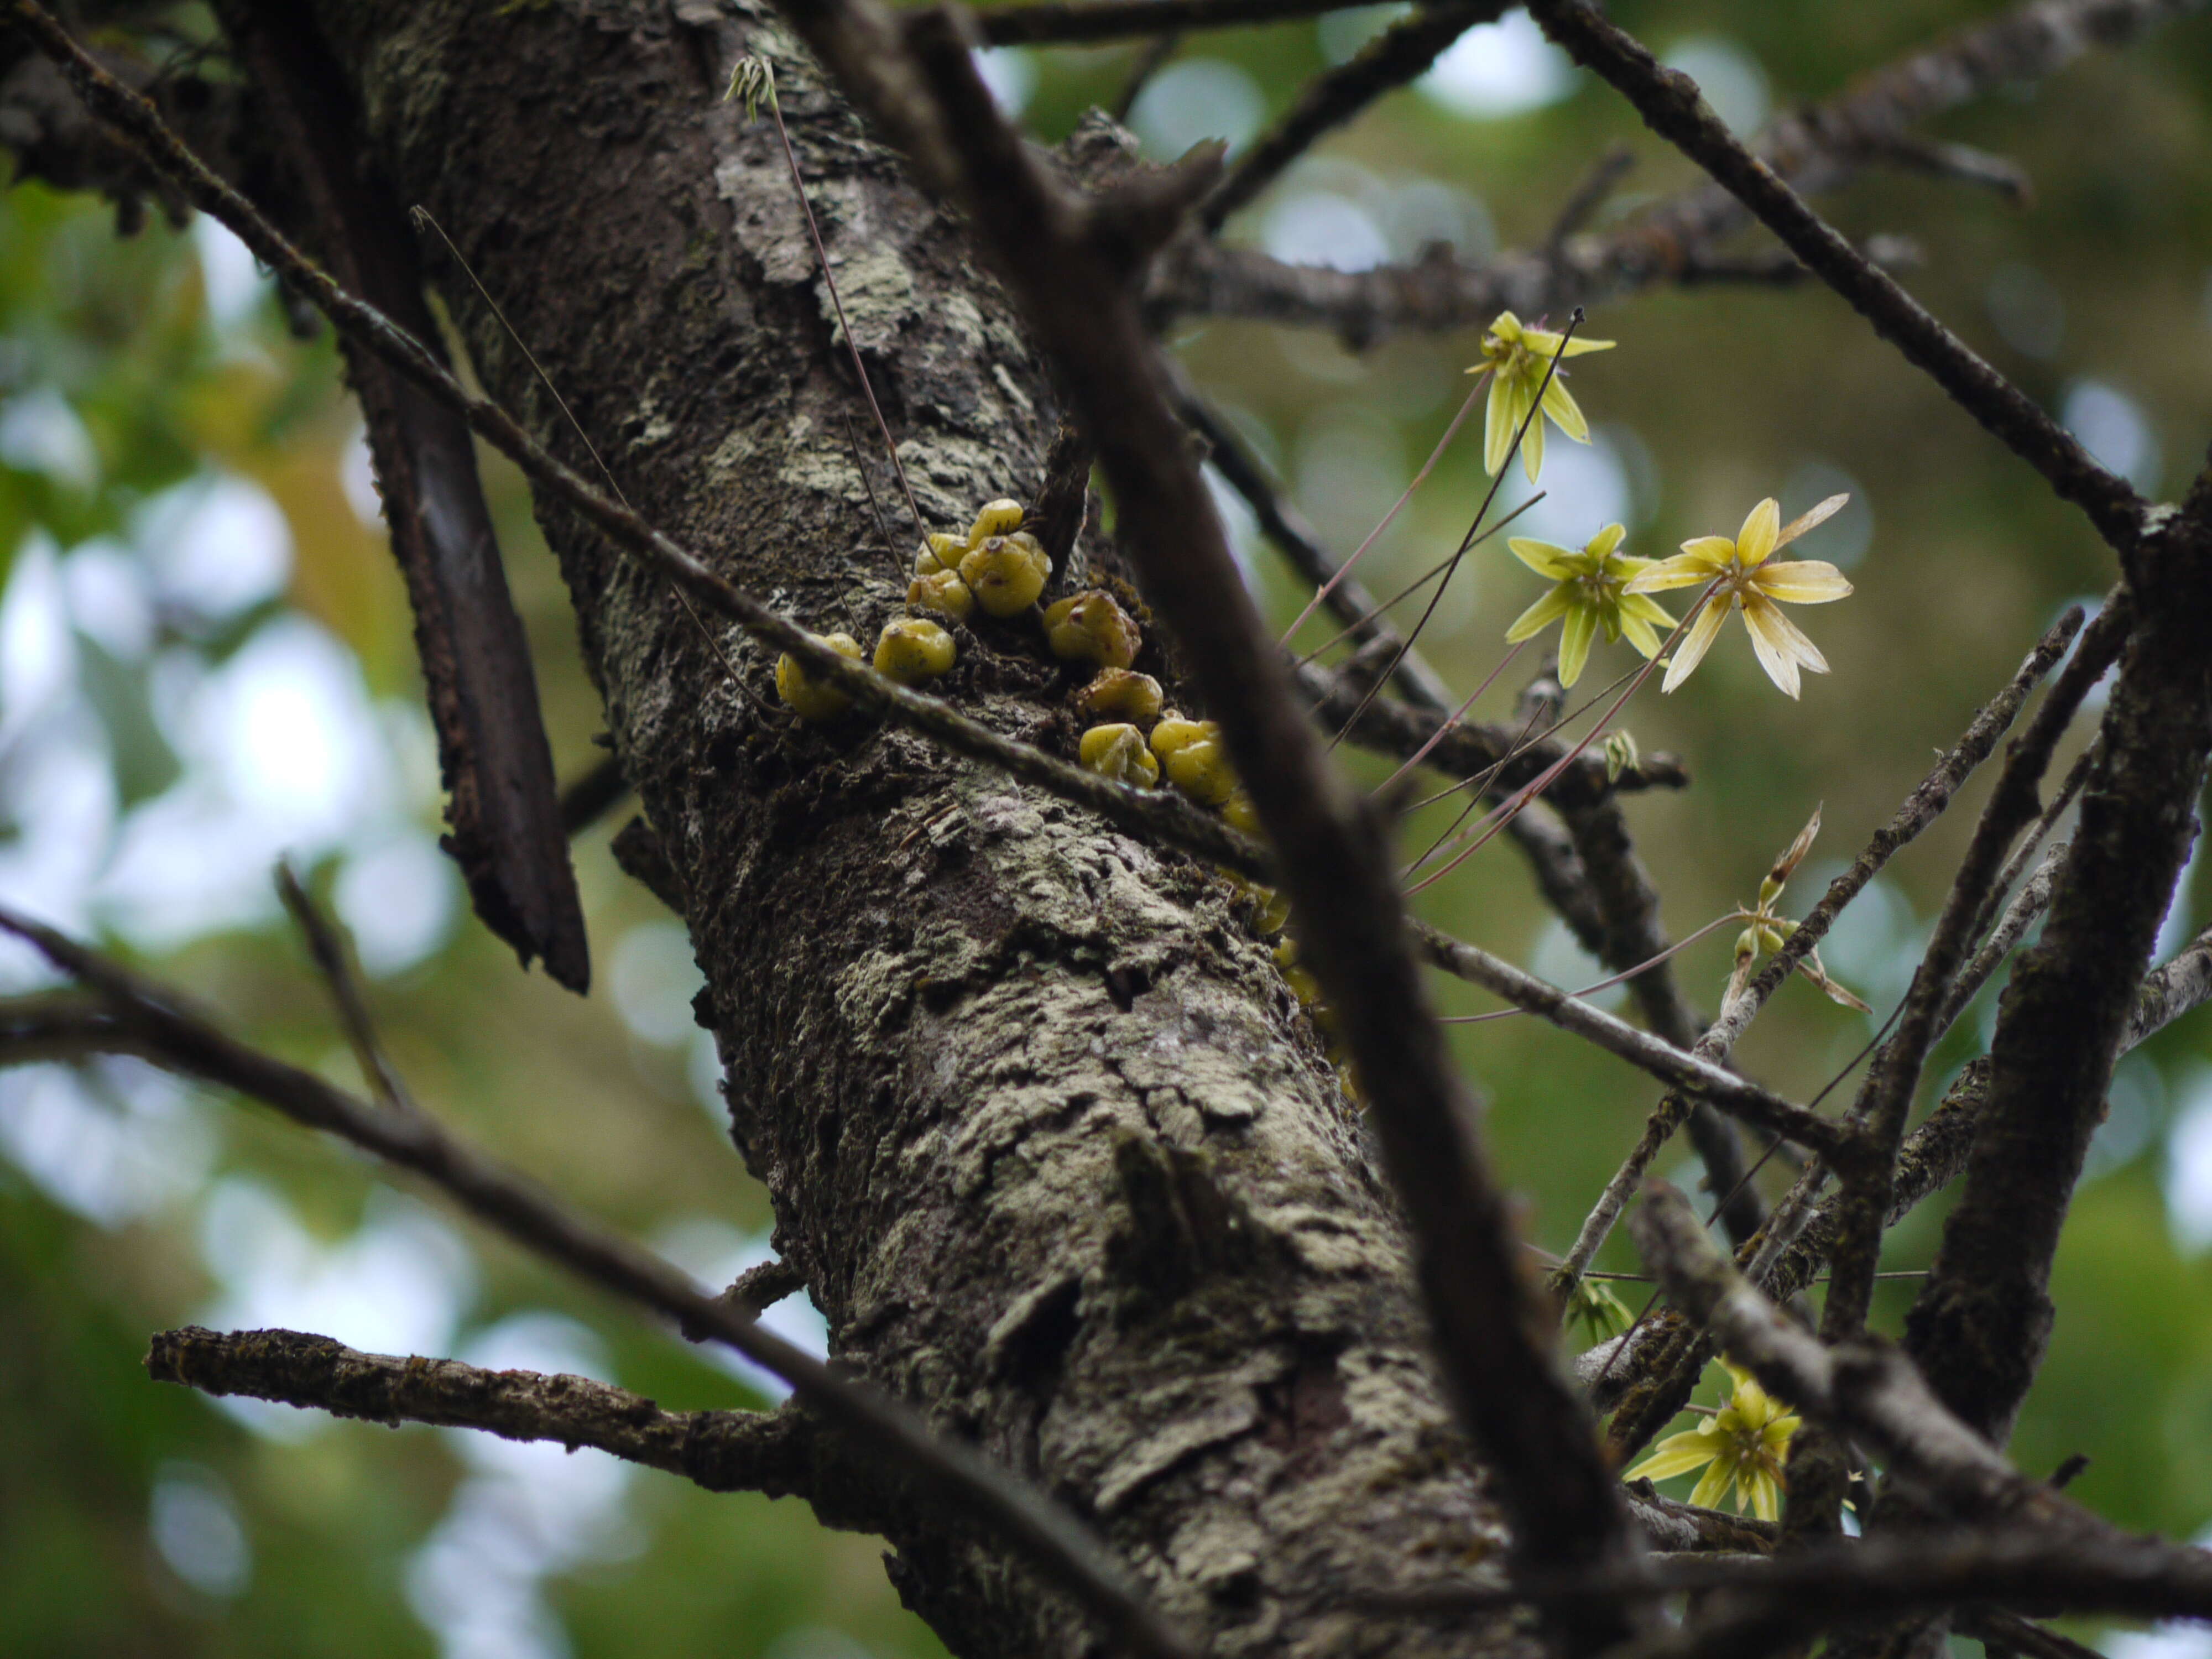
{"type": "Point", "coordinates": [1600, 588]}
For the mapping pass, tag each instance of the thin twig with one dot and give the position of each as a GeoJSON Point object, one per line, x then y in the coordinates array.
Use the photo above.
{"type": "Point", "coordinates": [1739, 1097]}
{"type": "Point", "coordinates": [328, 948]}
{"type": "Point", "coordinates": [768, 1452]}
{"type": "Point", "coordinates": [584, 800]}
{"type": "Point", "coordinates": [1150, 62]}
{"type": "Point", "coordinates": [1919, 809]}
{"type": "Point", "coordinates": [1400, 53]}
{"type": "Point", "coordinates": [1588, 196]}
{"type": "Point", "coordinates": [1064, 22]}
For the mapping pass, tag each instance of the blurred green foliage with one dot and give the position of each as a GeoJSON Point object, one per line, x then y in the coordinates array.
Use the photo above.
{"type": "Point", "coordinates": [131, 368]}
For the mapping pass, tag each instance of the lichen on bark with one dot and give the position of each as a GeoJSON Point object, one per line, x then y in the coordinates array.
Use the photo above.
{"type": "Point", "coordinates": [1055, 1149]}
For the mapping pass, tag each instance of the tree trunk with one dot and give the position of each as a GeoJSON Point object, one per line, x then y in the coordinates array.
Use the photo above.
{"type": "Point", "coordinates": [1054, 1147]}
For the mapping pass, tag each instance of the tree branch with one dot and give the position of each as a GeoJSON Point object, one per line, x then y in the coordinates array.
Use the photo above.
{"type": "Point", "coordinates": [769, 1452]}
{"type": "Point", "coordinates": [1736, 1096]}
{"type": "Point", "coordinates": [1650, 1382]}
{"type": "Point", "coordinates": [1981, 1321]}
{"type": "Point", "coordinates": [1816, 149]}
{"type": "Point", "coordinates": [1870, 1582]}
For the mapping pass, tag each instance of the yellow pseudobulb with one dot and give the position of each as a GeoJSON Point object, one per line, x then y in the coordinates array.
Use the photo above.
{"type": "Point", "coordinates": [1091, 628]}
{"type": "Point", "coordinates": [813, 699]}
{"type": "Point", "coordinates": [913, 649]}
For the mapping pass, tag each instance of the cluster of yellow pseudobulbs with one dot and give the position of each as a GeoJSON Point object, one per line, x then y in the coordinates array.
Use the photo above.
{"type": "Point", "coordinates": [1001, 569]}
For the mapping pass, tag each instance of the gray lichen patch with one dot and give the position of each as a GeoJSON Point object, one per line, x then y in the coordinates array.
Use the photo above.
{"type": "Point", "coordinates": [877, 292]}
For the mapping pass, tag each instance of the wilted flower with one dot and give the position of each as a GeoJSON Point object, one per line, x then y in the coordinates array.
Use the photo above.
{"type": "Point", "coordinates": [1768, 932]}
{"type": "Point", "coordinates": [1752, 584]}
{"type": "Point", "coordinates": [1591, 592]}
{"type": "Point", "coordinates": [1517, 359]}
{"type": "Point", "coordinates": [1744, 1444]}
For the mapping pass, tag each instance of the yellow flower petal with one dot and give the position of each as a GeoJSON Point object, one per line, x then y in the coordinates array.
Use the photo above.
{"type": "Point", "coordinates": [1695, 643]}
{"type": "Point", "coordinates": [1575, 643]}
{"type": "Point", "coordinates": [1772, 645]}
{"type": "Point", "coordinates": [1764, 1500]}
{"type": "Point", "coordinates": [1542, 557]}
{"type": "Point", "coordinates": [1601, 546]}
{"type": "Point", "coordinates": [1639, 632]}
{"type": "Point", "coordinates": [1713, 1484]}
{"type": "Point", "coordinates": [1779, 642]}
{"type": "Point", "coordinates": [1552, 606]}
{"type": "Point", "coordinates": [1559, 404]}
{"type": "Point", "coordinates": [1507, 326]}
{"type": "Point", "coordinates": [1678, 1454]}
{"type": "Point", "coordinates": [1634, 604]}
{"type": "Point", "coordinates": [1498, 423]}
{"type": "Point", "coordinates": [1761, 527]}
{"type": "Point", "coordinates": [1531, 446]}
{"type": "Point", "coordinates": [1802, 582]}
{"type": "Point", "coordinates": [1549, 343]}
{"type": "Point", "coordinates": [1805, 521]}
{"type": "Point", "coordinates": [1688, 569]}
{"type": "Point", "coordinates": [1799, 647]}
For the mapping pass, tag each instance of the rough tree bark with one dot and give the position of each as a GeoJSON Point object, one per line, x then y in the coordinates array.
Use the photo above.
{"type": "Point", "coordinates": [1052, 1146]}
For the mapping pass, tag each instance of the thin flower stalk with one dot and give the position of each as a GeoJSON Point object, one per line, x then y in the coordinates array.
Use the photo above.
{"type": "Point", "coordinates": [1416, 584]}
{"type": "Point", "coordinates": [1608, 983]}
{"type": "Point", "coordinates": [1511, 808]}
{"type": "Point", "coordinates": [1358, 553]}
{"type": "Point", "coordinates": [754, 83]}
{"type": "Point", "coordinates": [1444, 726]}
{"type": "Point", "coordinates": [1525, 739]}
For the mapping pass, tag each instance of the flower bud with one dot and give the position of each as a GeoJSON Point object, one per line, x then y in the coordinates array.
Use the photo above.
{"type": "Point", "coordinates": [1195, 762]}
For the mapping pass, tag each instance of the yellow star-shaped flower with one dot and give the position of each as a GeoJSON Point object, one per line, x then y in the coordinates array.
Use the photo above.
{"type": "Point", "coordinates": [1745, 1445]}
{"type": "Point", "coordinates": [1752, 584]}
{"type": "Point", "coordinates": [1517, 358]}
{"type": "Point", "coordinates": [1591, 592]}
